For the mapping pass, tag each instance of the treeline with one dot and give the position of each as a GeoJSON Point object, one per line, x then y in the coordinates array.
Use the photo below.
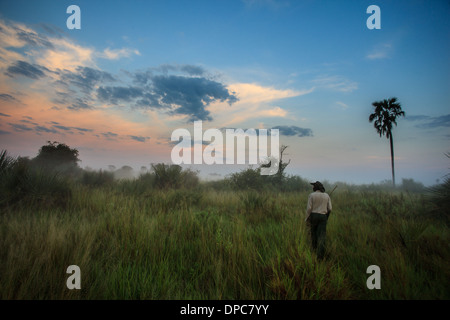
{"type": "Point", "coordinates": [49, 179]}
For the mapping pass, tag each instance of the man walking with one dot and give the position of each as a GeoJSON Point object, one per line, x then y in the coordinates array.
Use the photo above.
{"type": "Point", "coordinates": [317, 212]}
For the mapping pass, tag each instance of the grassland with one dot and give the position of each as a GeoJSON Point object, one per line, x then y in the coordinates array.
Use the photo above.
{"type": "Point", "coordinates": [206, 243]}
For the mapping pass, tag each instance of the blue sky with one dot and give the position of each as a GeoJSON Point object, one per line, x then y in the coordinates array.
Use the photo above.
{"type": "Point", "coordinates": [262, 63]}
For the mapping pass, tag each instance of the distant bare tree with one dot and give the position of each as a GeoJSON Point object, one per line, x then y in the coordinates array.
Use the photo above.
{"type": "Point", "coordinates": [280, 175]}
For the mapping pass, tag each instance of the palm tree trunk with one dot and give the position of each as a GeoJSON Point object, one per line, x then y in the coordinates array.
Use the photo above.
{"type": "Point", "coordinates": [392, 158]}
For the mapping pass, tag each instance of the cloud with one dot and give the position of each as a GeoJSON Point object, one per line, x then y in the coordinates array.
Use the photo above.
{"type": "Point", "coordinates": [109, 135]}
{"type": "Point", "coordinates": [77, 83]}
{"type": "Point", "coordinates": [335, 83]}
{"type": "Point", "coordinates": [117, 94]}
{"type": "Point", "coordinates": [189, 96]}
{"type": "Point", "coordinates": [140, 139]}
{"type": "Point", "coordinates": [4, 115]}
{"type": "Point", "coordinates": [62, 127]}
{"type": "Point", "coordinates": [255, 102]}
{"type": "Point", "coordinates": [7, 97]}
{"type": "Point", "coordinates": [32, 38]}
{"type": "Point", "coordinates": [29, 122]}
{"type": "Point", "coordinates": [430, 122]}
{"type": "Point", "coordinates": [115, 54]}
{"type": "Point", "coordinates": [181, 95]}
{"type": "Point", "coordinates": [25, 69]}
{"type": "Point", "coordinates": [254, 93]}
{"type": "Point", "coordinates": [343, 105]}
{"type": "Point", "coordinates": [52, 30]}
{"type": "Point", "coordinates": [294, 131]}
{"type": "Point", "coordinates": [85, 78]}
{"type": "Point", "coordinates": [45, 129]}
{"type": "Point", "coordinates": [189, 69]}
{"type": "Point", "coordinates": [4, 132]}
{"type": "Point", "coordinates": [20, 127]}
{"type": "Point", "coordinates": [18, 35]}
{"type": "Point", "coordinates": [380, 52]}
{"type": "Point", "coordinates": [83, 129]}
{"type": "Point", "coordinates": [79, 104]}
{"type": "Point", "coordinates": [192, 70]}
{"type": "Point", "coordinates": [65, 55]}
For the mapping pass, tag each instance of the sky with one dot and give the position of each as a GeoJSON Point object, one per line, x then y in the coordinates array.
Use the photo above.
{"type": "Point", "coordinates": [118, 87]}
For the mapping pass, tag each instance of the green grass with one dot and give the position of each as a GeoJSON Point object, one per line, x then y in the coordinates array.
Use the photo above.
{"type": "Point", "coordinates": [207, 244]}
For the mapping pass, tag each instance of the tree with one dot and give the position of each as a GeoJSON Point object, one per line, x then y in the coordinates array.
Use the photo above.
{"type": "Point", "coordinates": [279, 177]}
{"type": "Point", "coordinates": [58, 156]}
{"type": "Point", "coordinates": [383, 117]}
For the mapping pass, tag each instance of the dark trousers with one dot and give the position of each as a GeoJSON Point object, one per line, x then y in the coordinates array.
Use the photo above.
{"type": "Point", "coordinates": [318, 224]}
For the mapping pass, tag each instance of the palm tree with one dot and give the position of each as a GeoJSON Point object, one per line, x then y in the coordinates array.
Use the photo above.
{"type": "Point", "coordinates": [385, 114]}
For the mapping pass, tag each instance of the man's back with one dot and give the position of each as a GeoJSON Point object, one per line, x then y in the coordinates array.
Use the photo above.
{"type": "Point", "coordinates": [318, 202]}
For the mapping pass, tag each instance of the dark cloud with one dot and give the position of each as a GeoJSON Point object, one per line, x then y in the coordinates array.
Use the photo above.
{"type": "Point", "coordinates": [116, 94]}
{"type": "Point", "coordinates": [142, 77]}
{"type": "Point", "coordinates": [83, 129]}
{"type": "Point", "coordinates": [140, 139]}
{"type": "Point", "coordinates": [7, 97]}
{"type": "Point", "coordinates": [34, 39]}
{"type": "Point", "coordinates": [109, 135]}
{"type": "Point", "coordinates": [294, 131]}
{"type": "Point", "coordinates": [20, 127]}
{"type": "Point", "coordinates": [4, 115]}
{"type": "Point", "coordinates": [441, 121]}
{"type": "Point", "coordinates": [79, 104]}
{"type": "Point", "coordinates": [190, 95]}
{"type": "Point", "coordinates": [4, 132]}
{"type": "Point", "coordinates": [52, 30]}
{"type": "Point", "coordinates": [145, 77]}
{"type": "Point", "coordinates": [430, 122]}
{"type": "Point", "coordinates": [69, 129]}
{"type": "Point", "coordinates": [192, 70]}
{"type": "Point", "coordinates": [29, 122]}
{"type": "Point", "coordinates": [149, 100]}
{"type": "Point", "coordinates": [45, 129]}
{"type": "Point", "coordinates": [416, 118]}
{"type": "Point", "coordinates": [62, 127]}
{"type": "Point", "coordinates": [25, 69]}
{"type": "Point", "coordinates": [85, 78]}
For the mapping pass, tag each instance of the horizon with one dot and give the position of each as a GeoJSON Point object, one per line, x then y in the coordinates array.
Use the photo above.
{"type": "Point", "coordinates": [117, 88]}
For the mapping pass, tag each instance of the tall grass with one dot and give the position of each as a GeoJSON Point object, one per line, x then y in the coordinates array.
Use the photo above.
{"type": "Point", "coordinates": [207, 244]}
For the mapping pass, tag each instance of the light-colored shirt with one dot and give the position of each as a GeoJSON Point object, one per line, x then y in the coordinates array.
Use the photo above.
{"type": "Point", "coordinates": [318, 202]}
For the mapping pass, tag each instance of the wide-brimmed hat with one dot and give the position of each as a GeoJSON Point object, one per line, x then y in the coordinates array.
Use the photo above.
{"type": "Point", "coordinates": [318, 185]}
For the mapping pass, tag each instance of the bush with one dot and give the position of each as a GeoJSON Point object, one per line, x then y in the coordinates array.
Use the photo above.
{"type": "Point", "coordinates": [410, 185]}
{"type": "Point", "coordinates": [97, 178]}
{"type": "Point", "coordinates": [174, 177]}
{"type": "Point", "coordinates": [438, 198]}
{"type": "Point", "coordinates": [24, 184]}
{"type": "Point", "coordinates": [248, 179]}
{"type": "Point", "coordinates": [296, 183]}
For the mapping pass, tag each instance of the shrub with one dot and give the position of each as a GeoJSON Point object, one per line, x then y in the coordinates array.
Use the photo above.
{"type": "Point", "coordinates": [410, 185]}
{"type": "Point", "coordinates": [97, 178]}
{"type": "Point", "coordinates": [248, 179]}
{"type": "Point", "coordinates": [24, 184]}
{"type": "Point", "coordinates": [438, 198]}
{"type": "Point", "coordinates": [173, 176]}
